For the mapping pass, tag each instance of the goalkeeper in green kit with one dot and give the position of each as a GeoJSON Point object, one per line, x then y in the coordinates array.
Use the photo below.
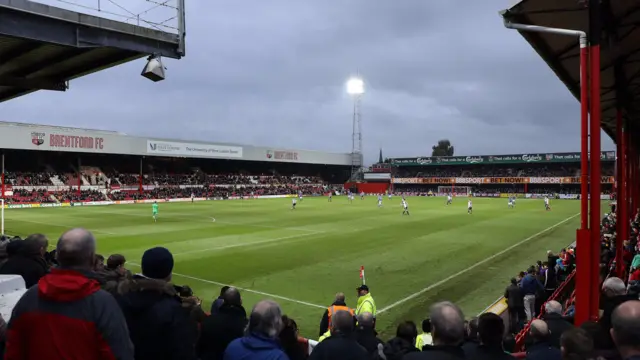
{"type": "Point", "coordinates": [154, 211]}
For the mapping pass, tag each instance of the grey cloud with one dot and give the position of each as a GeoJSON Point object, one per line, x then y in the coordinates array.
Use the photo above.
{"type": "Point", "coordinates": [272, 73]}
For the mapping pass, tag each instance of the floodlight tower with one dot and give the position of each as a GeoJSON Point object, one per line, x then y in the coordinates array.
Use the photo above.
{"type": "Point", "coordinates": [355, 88]}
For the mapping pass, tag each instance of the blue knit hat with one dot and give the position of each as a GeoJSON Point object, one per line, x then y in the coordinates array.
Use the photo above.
{"type": "Point", "coordinates": [157, 263]}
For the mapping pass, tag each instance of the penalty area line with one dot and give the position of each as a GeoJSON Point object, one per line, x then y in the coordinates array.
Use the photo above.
{"type": "Point", "coordinates": [464, 271]}
{"type": "Point", "coordinates": [244, 289]}
{"type": "Point", "coordinates": [231, 246]}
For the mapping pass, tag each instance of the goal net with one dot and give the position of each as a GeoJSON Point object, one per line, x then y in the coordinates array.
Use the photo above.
{"type": "Point", "coordinates": [455, 190]}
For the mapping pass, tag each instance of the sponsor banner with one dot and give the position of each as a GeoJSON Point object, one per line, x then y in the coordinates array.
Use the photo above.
{"type": "Point", "coordinates": [45, 205]}
{"type": "Point", "coordinates": [93, 203]}
{"type": "Point", "coordinates": [545, 180]}
{"type": "Point", "coordinates": [122, 202]}
{"type": "Point", "coordinates": [157, 147]}
{"type": "Point", "coordinates": [497, 180]}
{"type": "Point", "coordinates": [568, 196]}
{"type": "Point", "coordinates": [497, 159]}
{"type": "Point", "coordinates": [282, 155]}
{"type": "Point", "coordinates": [377, 176]}
{"type": "Point", "coordinates": [381, 168]}
{"type": "Point", "coordinates": [491, 195]}
{"type": "Point", "coordinates": [115, 187]}
{"type": "Point", "coordinates": [65, 204]}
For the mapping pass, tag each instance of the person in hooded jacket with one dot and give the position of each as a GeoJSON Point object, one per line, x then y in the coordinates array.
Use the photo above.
{"type": "Point", "coordinates": [113, 273]}
{"type": "Point", "coordinates": [217, 303]}
{"type": "Point", "coordinates": [28, 261]}
{"type": "Point", "coordinates": [261, 337]}
{"type": "Point", "coordinates": [67, 315]}
{"type": "Point", "coordinates": [158, 325]}
{"type": "Point", "coordinates": [403, 343]}
{"type": "Point", "coordinates": [221, 328]}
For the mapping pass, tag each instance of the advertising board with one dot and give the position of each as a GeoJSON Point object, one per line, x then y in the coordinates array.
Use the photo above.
{"type": "Point", "coordinates": [158, 147]}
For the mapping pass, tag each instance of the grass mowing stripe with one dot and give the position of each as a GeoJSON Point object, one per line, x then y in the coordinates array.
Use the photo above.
{"type": "Point", "coordinates": [68, 227]}
{"type": "Point", "coordinates": [243, 289]}
{"type": "Point", "coordinates": [243, 244]}
{"type": "Point", "coordinates": [432, 286]}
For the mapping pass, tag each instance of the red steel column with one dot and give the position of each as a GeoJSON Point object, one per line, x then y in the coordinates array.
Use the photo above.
{"type": "Point", "coordinates": [583, 275]}
{"type": "Point", "coordinates": [621, 224]}
{"type": "Point", "coordinates": [595, 31]}
{"type": "Point", "coordinates": [584, 136]}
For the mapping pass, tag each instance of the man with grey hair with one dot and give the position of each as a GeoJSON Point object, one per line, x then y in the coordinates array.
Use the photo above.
{"type": "Point", "coordinates": [365, 334]}
{"type": "Point", "coordinates": [555, 322]}
{"type": "Point", "coordinates": [68, 308]}
{"type": "Point", "coordinates": [540, 349]}
{"type": "Point", "coordinates": [338, 304]}
{"type": "Point", "coordinates": [341, 345]}
{"type": "Point", "coordinates": [615, 293]}
{"type": "Point", "coordinates": [447, 331]}
{"type": "Point", "coordinates": [261, 339]}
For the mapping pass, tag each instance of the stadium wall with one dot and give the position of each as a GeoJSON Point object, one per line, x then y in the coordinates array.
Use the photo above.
{"type": "Point", "coordinates": [50, 138]}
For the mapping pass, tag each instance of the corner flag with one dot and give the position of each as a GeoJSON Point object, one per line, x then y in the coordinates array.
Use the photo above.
{"type": "Point", "coordinates": [362, 274]}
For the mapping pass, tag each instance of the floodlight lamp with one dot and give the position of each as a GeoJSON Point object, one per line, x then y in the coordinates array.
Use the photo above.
{"type": "Point", "coordinates": [355, 86]}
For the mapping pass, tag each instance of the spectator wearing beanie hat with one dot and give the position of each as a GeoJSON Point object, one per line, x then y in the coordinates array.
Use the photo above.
{"type": "Point", "coordinates": [158, 325]}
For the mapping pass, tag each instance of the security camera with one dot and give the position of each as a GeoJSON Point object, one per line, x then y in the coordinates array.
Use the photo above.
{"type": "Point", "coordinates": [153, 70]}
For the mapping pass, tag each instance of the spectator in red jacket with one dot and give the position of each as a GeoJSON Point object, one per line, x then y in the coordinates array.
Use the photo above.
{"type": "Point", "coordinates": [67, 315]}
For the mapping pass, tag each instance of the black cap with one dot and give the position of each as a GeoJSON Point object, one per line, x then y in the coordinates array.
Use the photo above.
{"type": "Point", "coordinates": [362, 287]}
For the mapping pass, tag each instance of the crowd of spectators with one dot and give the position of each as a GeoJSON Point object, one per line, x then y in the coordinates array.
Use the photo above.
{"type": "Point", "coordinates": [84, 195]}
{"type": "Point", "coordinates": [29, 196]}
{"type": "Point", "coordinates": [488, 170]}
{"type": "Point", "coordinates": [78, 306]}
{"type": "Point", "coordinates": [28, 178]}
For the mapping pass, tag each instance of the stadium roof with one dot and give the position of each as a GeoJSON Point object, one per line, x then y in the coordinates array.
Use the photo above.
{"type": "Point", "coordinates": [620, 49]}
{"type": "Point", "coordinates": [42, 47]}
{"type": "Point", "coordinates": [22, 136]}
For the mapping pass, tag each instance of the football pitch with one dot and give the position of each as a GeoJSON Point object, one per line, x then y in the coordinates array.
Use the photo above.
{"type": "Point", "coordinates": [302, 257]}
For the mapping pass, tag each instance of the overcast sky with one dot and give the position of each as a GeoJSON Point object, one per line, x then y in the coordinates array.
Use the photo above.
{"type": "Point", "coordinates": [272, 73]}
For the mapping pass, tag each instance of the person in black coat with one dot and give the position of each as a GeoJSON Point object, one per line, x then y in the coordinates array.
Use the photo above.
{"type": "Point", "coordinates": [555, 322]}
{"type": "Point", "coordinates": [341, 345]}
{"type": "Point", "coordinates": [28, 261]}
{"type": "Point", "coordinates": [159, 327]}
{"type": "Point", "coordinates": [217, 303]}
{"type": "Point", "coordinates": [404, 343]}
{"type": "Point", "coordinates": [289, 340]}
{"type": "Point", "coordinates": [490, 333]}
{"type": "Point", "coordinates": [515, 306]}
{"type": "Point", "coordinates": [222, 327]}
{"type": "Point", "coordinates": [366, 335]}
{"type": "Point", "coordinates": [540, 349]}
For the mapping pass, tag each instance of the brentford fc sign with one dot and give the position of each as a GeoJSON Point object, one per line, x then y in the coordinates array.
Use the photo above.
{"type": "Point", "coordinates": [64, 141]}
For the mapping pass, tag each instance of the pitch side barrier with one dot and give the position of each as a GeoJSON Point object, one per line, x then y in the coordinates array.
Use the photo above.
{"type": "Point", "coordinates": [495, 180]}
{"type": "Point", "coordinates": [128, 202]}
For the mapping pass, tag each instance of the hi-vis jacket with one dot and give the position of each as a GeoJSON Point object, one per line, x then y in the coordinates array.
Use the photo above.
{"type": "Point", "coordinates": [366, 304]}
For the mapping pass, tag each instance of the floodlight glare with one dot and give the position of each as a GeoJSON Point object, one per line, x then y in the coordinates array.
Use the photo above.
{"type": "Point", "coordinates": [355, 86]}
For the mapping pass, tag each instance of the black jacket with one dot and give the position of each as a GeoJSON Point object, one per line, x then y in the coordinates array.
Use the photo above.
{"type": "Point", "coordinates": [30, 267]}
{"type": "Point", "coordinates": [397, 348]}
{"type": "Point", "coordinates": [219, 329]}
{"type": "Point", "coordinates": [339, 347]}
{"type": "Point", "coordinates": [543, 351]}
{"type": "Point", "coordinates": [159, 326]}
{"type": "Point", "coordinates": [324, 323]}
{"type": "Point", "coordinates": [481, 352]}
{"type": "Point", "coordinates": [514, 296]}
{"type": "Point", "coordinates": [608, 304]}
{"type": "Point", "coordinates": [433, 352]}
{"type": "Point", "coordinates": [367, 338]}
{"type": "Point", "coordinates": [557, 325]}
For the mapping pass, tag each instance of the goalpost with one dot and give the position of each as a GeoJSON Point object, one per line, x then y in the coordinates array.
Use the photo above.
{"type": "Point", "coordinates": [455, 190]}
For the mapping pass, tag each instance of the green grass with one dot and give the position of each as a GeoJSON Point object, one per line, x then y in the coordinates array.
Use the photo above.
{"type": "Point", "coordinates": [305, 256]}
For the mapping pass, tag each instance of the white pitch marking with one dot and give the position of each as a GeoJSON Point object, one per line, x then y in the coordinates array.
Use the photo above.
{"type": "Point", "coordinates": [224, 247]}
{"type": "Point", "coordinates": [443, 281]}
{"type": "Point", "coordinates": [244, 289]}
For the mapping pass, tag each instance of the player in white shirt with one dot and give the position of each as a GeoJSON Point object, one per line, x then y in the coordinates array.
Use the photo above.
{"type": "Point", "coordinates": [405, 207]}
{"type": "Point", "coordinates": [449, 199]}
{"type": "Point", "coordinates": [380, 200]}
{"type": "Point", "coordinates": [469, 207]}
{"type": "Point", "coordinates": [193, 197]}
{"type": "Point", "coordinates": [293, 203]}
{"type": "Point", "coordinates": [330, 196]}
{"type": "Point", "coordinates": [362, 195]}
{"type": "Point", "coordinates": [546, 203]}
